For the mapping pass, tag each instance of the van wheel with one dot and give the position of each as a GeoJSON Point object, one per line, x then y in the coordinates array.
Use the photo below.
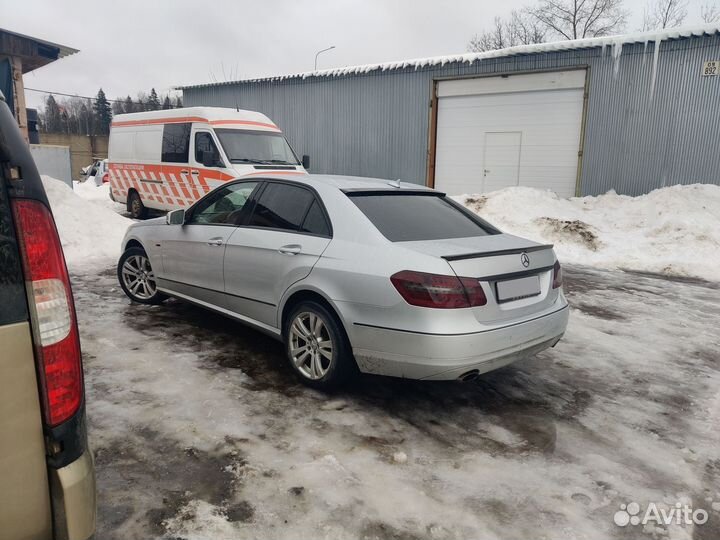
{"type": "Point", "coordinates": [136, 207]}
{"type": "Point", "coordinates": [137, 278]}
{"type": "Point", "coordinates": [316, 346]}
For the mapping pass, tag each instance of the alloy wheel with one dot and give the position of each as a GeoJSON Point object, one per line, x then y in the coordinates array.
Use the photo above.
{"type": "Point", "coordinates": [138, 277]}
{"type": "Point", "coordinates": [311, 346]}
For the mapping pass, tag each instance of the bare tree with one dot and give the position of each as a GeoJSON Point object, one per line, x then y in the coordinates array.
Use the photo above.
{"type": "Point", "coordinates": [710, 13]}
{"type": "Point", "coordinates": [664, 14]}
{"type": "Point", "coordinates": [577, 19]}
{"type": "Point", "coordinates": [520, 29]}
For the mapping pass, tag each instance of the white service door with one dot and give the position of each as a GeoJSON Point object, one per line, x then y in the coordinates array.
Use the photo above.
{"type": "Point", "coordinates": [523, 129]}
{"type": "Point", "coordinates": [501, 160]}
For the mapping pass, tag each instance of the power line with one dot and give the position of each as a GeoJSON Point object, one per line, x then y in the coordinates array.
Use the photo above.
{"type": "Point", "coordinates": [82, 97]}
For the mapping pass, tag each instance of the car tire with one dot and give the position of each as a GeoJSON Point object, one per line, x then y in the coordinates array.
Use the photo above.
{"type": "Point", "coordinates": [312, 341]}
{"type": "Point", "coordinates": [137, 277]}
{"type": "Point", "coordinates": [136, 207]}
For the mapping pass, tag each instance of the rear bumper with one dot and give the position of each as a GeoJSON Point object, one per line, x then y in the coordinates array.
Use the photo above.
{"type": "Point", "coordinates": [413, 355]}
{"type": "Point", "coordinates": [74, 498]}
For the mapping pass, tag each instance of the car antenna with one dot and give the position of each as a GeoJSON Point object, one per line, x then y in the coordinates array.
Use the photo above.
{"type": "Point", "coordinates": [394, 183]}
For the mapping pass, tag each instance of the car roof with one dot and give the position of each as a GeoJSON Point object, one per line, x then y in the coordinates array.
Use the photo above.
{"type": "Point", "coordinates": [351, 183]}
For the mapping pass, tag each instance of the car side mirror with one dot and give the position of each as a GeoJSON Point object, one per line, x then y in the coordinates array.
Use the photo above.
{"type": "Point", "coordinates": [306, 162]}
{"type": "Point", "coordinates": [175, 217]}
{"type": "Point", "coordinates": [209, 159]}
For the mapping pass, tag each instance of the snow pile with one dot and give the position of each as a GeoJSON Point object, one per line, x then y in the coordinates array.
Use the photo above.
{"type": "Point", "coordinates": [673, 230]}
{"type": "Point", "coordinates": [89, 229]}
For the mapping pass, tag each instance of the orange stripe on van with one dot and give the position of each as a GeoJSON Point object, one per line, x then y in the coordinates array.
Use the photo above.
{"type": "Point", "coordinates": [185, 119]}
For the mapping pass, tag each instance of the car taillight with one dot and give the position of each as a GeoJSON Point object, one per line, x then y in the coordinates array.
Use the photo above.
{"type": "Point", "coordinates": [55, 332]}
{"type": "Point", "coordinates": [105, 178]}
{"type": "Point", "coordinates": [557, 275]}
{"type": "Point", "coordinates": [438, 291]}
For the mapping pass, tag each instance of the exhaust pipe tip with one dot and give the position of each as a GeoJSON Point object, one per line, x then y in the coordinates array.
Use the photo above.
{"type": "Point", "coordinates": [469, 376]}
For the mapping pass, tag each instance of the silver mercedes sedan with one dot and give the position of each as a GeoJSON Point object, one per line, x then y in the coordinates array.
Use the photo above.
{"type": "Point", "coordinates": [353, 274]}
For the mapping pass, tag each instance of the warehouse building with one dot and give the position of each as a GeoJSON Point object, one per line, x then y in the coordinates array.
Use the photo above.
{"type": "Point", "coordinates": [630, 113]}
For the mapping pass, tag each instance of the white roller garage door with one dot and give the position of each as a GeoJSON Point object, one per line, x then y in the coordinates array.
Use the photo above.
{"type": "Point", "coordinates": [518, 130]}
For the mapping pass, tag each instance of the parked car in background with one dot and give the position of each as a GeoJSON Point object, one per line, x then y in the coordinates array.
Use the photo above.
{"type": "Point", "coordinates": [168, 159]}
{"type": "Point", "coordinates": [97, 172]}
{"type": "Point", "coordinates": [46, 468]}
{"type": "Point", "coordinates": [391, 278]}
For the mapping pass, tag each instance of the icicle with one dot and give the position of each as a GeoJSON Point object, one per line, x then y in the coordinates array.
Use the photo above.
{"type": "Point", "coordinates": [656, 54]}
{"type": "Point", "coordinates": [616, 52]}
{"type": "Point", "coordinates": [645, 51]}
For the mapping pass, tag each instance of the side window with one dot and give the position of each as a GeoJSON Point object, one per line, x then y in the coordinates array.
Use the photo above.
{"type": "Point", "coordinates": [315, 222]}
{"type": "Point", "coordinates": [176, 143]}
{"type": "Point", "coordinates": [226, 206]}
{"type": "Point", "coordinates": [204, 143]}
{"type": "Point", "coordinates": [281, 206]}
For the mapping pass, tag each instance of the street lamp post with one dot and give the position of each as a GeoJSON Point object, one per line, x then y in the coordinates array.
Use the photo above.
{"type": "Point", "coordinates": [320, 52]}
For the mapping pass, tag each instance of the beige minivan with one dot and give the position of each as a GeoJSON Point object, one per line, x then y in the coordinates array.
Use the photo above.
{"type": "Point", "coordinates": [47, 477]}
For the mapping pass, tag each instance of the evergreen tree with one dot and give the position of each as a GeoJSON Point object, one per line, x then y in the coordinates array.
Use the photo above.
{"type": "Point", "coordinates": [153, 103]}
{"type": "Point", "coordinates": [166, 103]}
{"type": "Point", "coordinates": [103, 113]}
{"type": "Point", "coordinates": [52, 115]}
{"type": "Point", "coordinates": [178, 103]}
{"type": "Point", "coordinates": [128, 106]}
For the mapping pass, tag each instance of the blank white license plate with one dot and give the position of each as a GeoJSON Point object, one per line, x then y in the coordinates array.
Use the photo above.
{"type": "Point", "coordinates": [515, 289]}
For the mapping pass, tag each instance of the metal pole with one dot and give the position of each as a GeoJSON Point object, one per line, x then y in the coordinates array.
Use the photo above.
{"type": "Point", "coordinates": [319, 52]}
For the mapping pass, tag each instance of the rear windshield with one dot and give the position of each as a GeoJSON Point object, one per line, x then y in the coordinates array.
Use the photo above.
{"type": "Point", "coordinates": [410, 217]}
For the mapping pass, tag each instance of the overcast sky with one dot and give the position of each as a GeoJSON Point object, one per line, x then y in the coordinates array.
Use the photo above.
{"type": "Point", "coordinates": [128, 46]}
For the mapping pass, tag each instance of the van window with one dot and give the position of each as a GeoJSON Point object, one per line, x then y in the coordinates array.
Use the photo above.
{"type": "Point", "coordinates": [204, 143]}
{"type": "Point", "coordinates": [254, 146]}
{"type": "Point", "coordinates": [12, 284]}
{"type": "Point", "coordinates": [281, 206]}
{"type": "Point", "coordinates": [176, 143]}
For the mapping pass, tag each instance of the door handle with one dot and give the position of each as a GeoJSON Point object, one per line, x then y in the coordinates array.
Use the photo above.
{"type": "Point", "coordinates": [184, 171]}
{"type": "Point", "coordinates": [194, 172]}
{"type": "Point", "coordinates": [215, 241]}
{"type": "Point", "coordinates": [290, 249]}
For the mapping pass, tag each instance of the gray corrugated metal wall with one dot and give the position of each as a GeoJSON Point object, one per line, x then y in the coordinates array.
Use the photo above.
{"type": "Point", "coordinates": [376, 124]}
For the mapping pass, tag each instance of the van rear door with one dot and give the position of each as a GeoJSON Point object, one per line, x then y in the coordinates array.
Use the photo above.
{"type": "Point", "coordinates": [24, 495]}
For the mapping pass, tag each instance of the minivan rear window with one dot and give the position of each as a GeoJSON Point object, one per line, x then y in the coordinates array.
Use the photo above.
{"type": "Point", "coordinates": [13, 305]}
{"type": "Point", "coordinates": [418, 216]}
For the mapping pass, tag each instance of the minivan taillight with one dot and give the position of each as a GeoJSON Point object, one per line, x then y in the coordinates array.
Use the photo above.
{"type": "Point", "coordinates": [55, 332]}
{"type": "Point", "coordinates": [438, 291]}
{"type": "Point", "coordinates": [557, 275]}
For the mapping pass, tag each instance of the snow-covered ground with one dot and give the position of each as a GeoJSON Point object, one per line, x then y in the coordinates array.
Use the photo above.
{"type": "Point", "coordinates": [201, 431]}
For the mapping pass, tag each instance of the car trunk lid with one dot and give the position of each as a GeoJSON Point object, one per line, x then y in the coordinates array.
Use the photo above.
{"type": "Point", "coordinates": [515, 273]}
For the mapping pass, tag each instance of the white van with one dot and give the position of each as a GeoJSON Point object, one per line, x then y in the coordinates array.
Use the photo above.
{"type": "Point", "coordinates": [169, 159]}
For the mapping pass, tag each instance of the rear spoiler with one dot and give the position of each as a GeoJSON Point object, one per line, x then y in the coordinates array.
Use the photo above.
{"type": "Point", "coordinates": [513, 251]}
